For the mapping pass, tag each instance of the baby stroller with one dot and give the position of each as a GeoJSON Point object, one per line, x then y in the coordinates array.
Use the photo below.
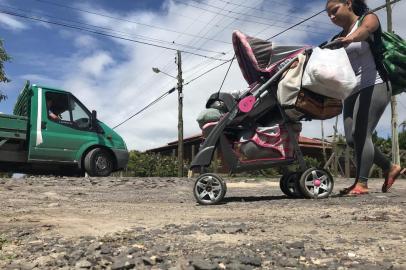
{"type": "Point", "coordinates": [254, 131]}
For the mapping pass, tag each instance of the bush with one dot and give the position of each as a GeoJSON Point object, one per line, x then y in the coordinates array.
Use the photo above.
{"type": "Point", "coordinates": [150, 164]}
{"type": "Point", "coordinates": [6, 175]}
{"type": "Point", "coordinates": [310, 162]}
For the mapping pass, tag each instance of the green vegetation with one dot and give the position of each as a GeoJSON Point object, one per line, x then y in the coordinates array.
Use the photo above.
{"type": "Point", "coordinates": [5, 175]}
{"type": "Point", "coordinates": [150, 164]}
{"type": "Point", "coordinates": [3, 78]}
{"type": "Point", "coordinates": [3, 241]}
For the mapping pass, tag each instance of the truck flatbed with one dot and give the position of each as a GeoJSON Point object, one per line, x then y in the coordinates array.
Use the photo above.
{"type": "Point", "coordinates": [13, 127]}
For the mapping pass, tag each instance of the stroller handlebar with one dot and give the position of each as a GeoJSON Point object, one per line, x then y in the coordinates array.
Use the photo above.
{"type": "Point", "coordinates": [335, 44]}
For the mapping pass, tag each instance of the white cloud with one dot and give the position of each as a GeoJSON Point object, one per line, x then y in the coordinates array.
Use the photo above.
{"type": "Point", "coordinates": [117, 88]}
{"type": "Point", "coordinates": [96, 64]}
{"type": "Point", "coordinates": [85, 41]}
{"type": "Point", "coordinates": [8, 22]}
{"type": "Point", "coordinates": [135, 85]}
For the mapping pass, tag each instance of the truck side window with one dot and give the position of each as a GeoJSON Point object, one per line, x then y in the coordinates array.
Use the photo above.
{"type": "Point", "coordinates": [57, 106]}
{"type": "Point", "coordinates": [67, 110]}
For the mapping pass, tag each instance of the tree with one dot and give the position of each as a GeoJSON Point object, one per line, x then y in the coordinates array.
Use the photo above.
{"type": "Point", "coordinates": [3, 78]}
{"type": "Point", "coordinates": [402, 140]}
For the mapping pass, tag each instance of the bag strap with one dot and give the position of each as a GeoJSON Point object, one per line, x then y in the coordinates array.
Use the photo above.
{"type": "Point", "coordinates": [376, 46]}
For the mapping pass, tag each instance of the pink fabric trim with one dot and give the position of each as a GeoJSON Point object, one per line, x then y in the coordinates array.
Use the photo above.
{"type": "Point", "coordinates": [278, 141]}
{"type": "Point", "coordinates": [209, 124]}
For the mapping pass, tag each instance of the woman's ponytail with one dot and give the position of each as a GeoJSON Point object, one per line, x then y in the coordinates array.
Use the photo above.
{"type": "Point", "coordinates": [359, 7]}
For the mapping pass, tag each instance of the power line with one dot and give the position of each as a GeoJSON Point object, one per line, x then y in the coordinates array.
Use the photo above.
{"type": "Point", "coordinates": [166, 94]}
{"type": "Point", "coordinates": [208, 29]}
{"type": "Point", "coordinates": [122, 19]}
{"type": "Point", "coordinates": [149, 105]}
{"type": "Point", "coordinates": [245, 20]}
{"type": "Point", "coordinates": [280, 3]}
{"type": "Point", "coordinates": [306, 19]}
{"type": "Point", "coordinates": [251, 15]}
{"type": "Point", "coordinates": [104, 34]}
{"type": "Point", "coordinates": [241, 5]}
{"type": "Point", "coordinates": [208, 71]}
{"type": "Point", "coordinates": [293, 26]}
{"type": "Point", "coordinates": [110, 30]}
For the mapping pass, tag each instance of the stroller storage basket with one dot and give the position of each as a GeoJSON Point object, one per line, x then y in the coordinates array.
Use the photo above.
{"type": "Point", "coordinates": [267, 143]}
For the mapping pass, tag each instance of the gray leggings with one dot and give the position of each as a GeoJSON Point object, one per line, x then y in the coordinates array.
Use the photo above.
{"type": "Point", "coordinates": [362, 112]}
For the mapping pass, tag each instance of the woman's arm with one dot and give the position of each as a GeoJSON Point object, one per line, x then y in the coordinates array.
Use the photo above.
{"type": "Point", "coordinates": [368, 26]}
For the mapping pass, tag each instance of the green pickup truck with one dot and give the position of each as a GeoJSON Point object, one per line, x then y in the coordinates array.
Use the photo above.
{"type": "Point", "coordinates": [52, 132]}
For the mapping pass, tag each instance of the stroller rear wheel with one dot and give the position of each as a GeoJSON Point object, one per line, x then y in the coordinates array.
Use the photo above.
{"type": "Point", "coordinates": [209, 189]}
{"type": "Point", "coordinates": [289, 184]}
{"type": "Point", "coordinates": [316, 183]}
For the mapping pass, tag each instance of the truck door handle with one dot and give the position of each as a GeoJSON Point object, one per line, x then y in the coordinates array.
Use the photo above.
{"type": "Point", "coordinates": [43, 125]}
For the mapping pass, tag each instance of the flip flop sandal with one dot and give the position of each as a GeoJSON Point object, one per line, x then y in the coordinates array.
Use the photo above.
{"type": "Point", "coordinates": [346, 190]}
{"type": "Point", "coordinates": [387, 185]}
{"type": "Point", "coordinates": [353, 191]}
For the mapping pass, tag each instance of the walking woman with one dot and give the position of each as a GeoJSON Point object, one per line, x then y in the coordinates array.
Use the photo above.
{"type": "Point", "coordinates": [366, 104]}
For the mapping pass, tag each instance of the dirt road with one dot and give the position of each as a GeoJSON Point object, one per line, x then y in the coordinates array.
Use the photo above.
{"type": "Point", "coordinates": [154, 223]}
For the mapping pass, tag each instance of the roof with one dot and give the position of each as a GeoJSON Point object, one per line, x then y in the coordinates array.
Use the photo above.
{"type": "Point", "coordinates": [303, 142]}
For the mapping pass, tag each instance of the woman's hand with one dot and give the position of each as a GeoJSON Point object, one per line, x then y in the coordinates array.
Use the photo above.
{"type": "Point", "coordinates": [345, 40]}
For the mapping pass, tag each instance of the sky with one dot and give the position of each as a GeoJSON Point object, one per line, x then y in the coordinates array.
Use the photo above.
{"type": "Point", "coordinates": [114, 76]}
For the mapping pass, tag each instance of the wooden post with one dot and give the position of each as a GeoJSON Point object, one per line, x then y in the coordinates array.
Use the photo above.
{"type": "Point", "coordinates": [394, 121]}
{"type": "Point", "coordinates": [193, 150]}
{"type": "Point", "coordinates": [180, 116]}
{"type": "Point", "coordinates": [347, 161]}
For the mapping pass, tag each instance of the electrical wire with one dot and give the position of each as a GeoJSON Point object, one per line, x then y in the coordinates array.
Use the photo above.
{"type": "Point", "coordinates": [225, 77]}
{"type": "Point", "coordinates": [110, 30]}
{"type": "Point", "coordinates": [217, 14]}
{"type": "Point", "coordinates": [211, 69]}
{"type": "Point", "coordinates": [149, 105]}
{"type": "Point", "coordinates": [122, 19]}
{"type": "Point", "coordinates": [104, 34]}
{"type": "Point", "coordinates": [166, 94]}
{"type": "Point", "coordinates": [245, 20]}
{"type": "Point", "coordinates": [293, 26]}
{"type": "Point", "coordinates": [254, 16]}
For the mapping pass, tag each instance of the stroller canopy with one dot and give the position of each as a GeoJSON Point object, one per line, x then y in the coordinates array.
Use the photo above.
{"type": "Point", "coordinates": [258, 58]}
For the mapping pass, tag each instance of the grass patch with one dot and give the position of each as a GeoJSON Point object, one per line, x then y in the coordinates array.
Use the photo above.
{"type": "Point", "coordinates": [3, 241]}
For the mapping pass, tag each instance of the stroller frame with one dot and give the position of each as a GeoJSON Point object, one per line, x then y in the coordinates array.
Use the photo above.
{"type": "Point", "coordinates": [206, 151]}
{"type": "Point", "coordinates": [210, 188]}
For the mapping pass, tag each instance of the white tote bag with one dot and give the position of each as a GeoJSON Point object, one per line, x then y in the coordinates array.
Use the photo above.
{"type": "Point", "coordinates": [329, 73]}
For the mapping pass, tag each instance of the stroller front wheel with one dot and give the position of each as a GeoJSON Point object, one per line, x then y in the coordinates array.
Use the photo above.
{"type": "Point", "coordinates": [209, 189]}
{"type": "Point", "coordinates": [316, 183]}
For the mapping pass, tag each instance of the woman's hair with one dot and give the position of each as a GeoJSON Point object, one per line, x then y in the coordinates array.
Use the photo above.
{"type": "Point", "coordinates": [358, 6]}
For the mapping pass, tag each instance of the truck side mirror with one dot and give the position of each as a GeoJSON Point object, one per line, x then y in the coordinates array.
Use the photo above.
{"type": "Point", "coordinates": [95, 125]}
{"type": "Point", "coordinates": [93, 120]}
{"type": "Point", "coordinates": [94, 117]}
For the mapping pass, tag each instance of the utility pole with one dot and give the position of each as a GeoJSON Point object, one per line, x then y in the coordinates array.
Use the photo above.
{"type": "Point", "coordinates": [394, 105]}
{"type": "Point", "coordinates": [180, 116]}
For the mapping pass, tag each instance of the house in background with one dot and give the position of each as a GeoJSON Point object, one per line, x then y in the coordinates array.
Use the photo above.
{"type": "Point", "coordinates": [310, 147]}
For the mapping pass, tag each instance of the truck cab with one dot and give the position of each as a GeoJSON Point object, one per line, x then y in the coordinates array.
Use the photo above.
{"type": "Point", "coordinates": [60, 135]}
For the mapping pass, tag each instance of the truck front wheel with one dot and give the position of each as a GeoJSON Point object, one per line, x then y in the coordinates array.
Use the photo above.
{"type": "Point", "coordinates": [98, 162]}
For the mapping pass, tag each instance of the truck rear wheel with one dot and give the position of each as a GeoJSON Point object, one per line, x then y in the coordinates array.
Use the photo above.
{"type": "Point", "coordinates": [98, 162]}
